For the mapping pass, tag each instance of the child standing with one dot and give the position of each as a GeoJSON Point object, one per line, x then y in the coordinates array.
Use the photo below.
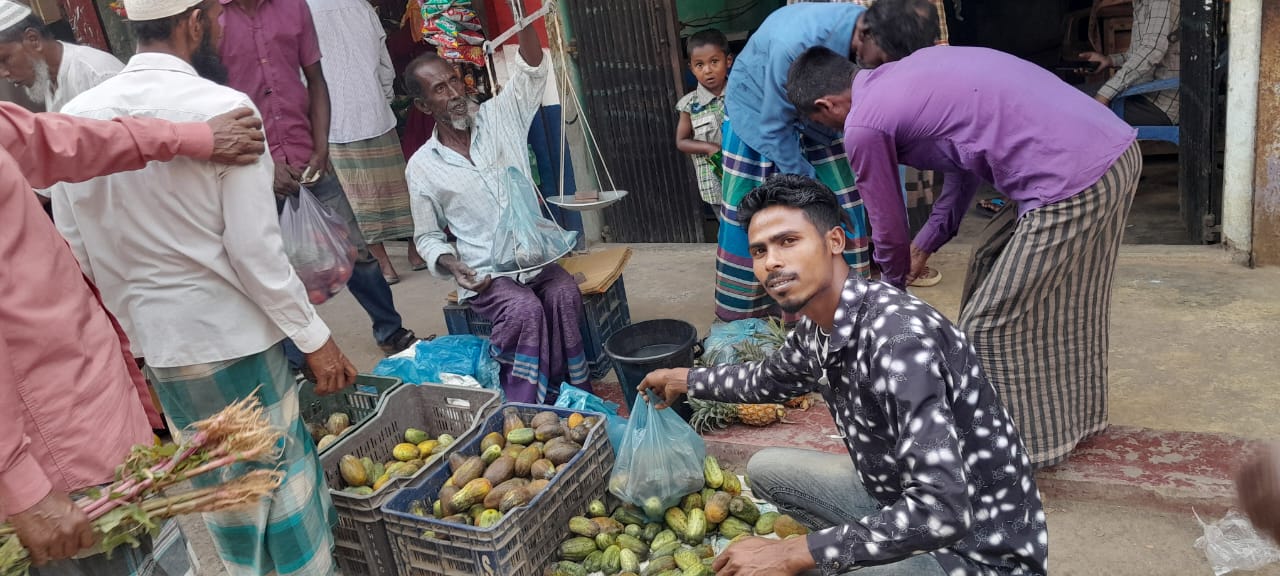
{"type": "Point", "coordinates": [702, 111]}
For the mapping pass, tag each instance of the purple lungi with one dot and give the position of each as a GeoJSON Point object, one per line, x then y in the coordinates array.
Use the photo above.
{"type": "Point", "coordinates": [535, 338]}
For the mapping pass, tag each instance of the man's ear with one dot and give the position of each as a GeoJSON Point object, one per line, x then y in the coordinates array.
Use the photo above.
{"type": "Point", "coordinates": [421, 106]}
{"type": "Point", "coordinates": [835, 240]}
{"type": "Point", "coordinates": [32, 40]}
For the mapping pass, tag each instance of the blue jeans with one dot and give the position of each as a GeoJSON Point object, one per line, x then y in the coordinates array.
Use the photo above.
{"type": "Point", "coordinates": [823, 490]}
{"type": "Point", "coordinates": [367, 284]}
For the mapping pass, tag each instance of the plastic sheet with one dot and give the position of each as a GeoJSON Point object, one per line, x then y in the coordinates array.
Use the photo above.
{"type": "Point", "coordinates": [574, 398]}
{"type": "Point", "coordinates": [1233, 544]}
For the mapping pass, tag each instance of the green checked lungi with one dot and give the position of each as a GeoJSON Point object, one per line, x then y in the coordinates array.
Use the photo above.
{"type": "Point", "coordinates": [738, 294]}
{"type": "Point", "coordinates": [291, 532]}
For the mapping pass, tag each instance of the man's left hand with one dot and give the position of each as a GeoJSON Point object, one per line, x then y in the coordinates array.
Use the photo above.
{"type": "Point", "coordinates": [237, 137]}
{"type": "Point", "coordinates": [919, 263]}
{"type": "Point", "coordinates": [765, 557]}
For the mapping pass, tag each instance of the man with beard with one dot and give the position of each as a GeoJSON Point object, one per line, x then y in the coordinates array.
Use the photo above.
{"type": "Point", "coordinates": [455, 182]}
{"type": "Point", "coordinates": [50, 71]}
{"type": "Point", "coordinates": [939, 482]}
{"type": "Point", "coordinates": [269, 48]}
{"type": "Point", "coordinates": [189, 257]}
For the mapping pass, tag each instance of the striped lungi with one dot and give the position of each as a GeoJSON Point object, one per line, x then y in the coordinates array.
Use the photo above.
{"type": "Point", "coordinates": [1037, 307]}
{"type": "Point", "coordinates": [738, 294]}
{"type": "Point", "coordinates": [291, 532]}
{"type": "Point", "coordinates": [372, 174]}
{"type": "Point", "coordinates": [167, 554]}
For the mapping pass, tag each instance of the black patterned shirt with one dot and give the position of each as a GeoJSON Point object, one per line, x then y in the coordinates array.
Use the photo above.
{"type": "Point", "coordinates": [929, 437]}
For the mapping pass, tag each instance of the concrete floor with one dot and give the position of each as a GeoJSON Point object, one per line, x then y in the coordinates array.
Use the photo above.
{"type": "Point", "coordinates": [1193, 348]}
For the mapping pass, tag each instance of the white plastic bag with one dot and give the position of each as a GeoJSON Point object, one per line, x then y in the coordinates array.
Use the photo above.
{"type": "Point", "coordinates": [1232, 544]}
{"type": "Point", "coordinates": [318, 245]}
{"type": "Point", "coordinates": [524, 237]}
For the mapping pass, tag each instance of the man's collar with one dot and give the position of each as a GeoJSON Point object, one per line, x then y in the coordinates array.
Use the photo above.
{"type": "Point", "coordinates": [159, 61]}
{"type": "Point", "coordinates": [855, 289]}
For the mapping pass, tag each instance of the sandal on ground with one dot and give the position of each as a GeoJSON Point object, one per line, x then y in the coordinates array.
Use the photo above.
{"type": "Point", "coordinates": [392, 279]}
{"type": "Point", "coordinates": [418, 267]}
{"type": "Point", "coordinates": [930, 277]}
{"type": "Point", "coordinates": [993, 205]}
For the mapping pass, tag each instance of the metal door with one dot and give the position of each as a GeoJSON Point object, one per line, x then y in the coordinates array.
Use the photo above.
{"type": "Point", "coordinates": [1202, 119]}
{"type": "Point", "coordinates": [628, 56]}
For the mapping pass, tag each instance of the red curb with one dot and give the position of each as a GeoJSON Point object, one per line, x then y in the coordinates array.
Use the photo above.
{"type": "Point", "coordinates": [1123, 465]}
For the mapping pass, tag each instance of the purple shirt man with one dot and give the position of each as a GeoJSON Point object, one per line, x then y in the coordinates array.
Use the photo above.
{"type": "Point", "coordinates": [263, 53]}
{"type": "Point", "coordinates": [1022, 130]}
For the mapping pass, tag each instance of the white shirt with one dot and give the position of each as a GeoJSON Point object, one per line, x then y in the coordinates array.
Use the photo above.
{"type": "Point", "coordinates": [82, 68]}
{"type": "Point", "coordinates": [357, 68]}
{"type": "Point", "coordinates": [446, 190]}
{"type": "Point", "coordinates": [187, 254]}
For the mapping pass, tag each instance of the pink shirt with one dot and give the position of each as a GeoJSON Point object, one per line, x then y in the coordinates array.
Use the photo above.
{"type": "Point", "coordinates": [264, 54]}
{"type": "Point", "coordinates": [72, 402]}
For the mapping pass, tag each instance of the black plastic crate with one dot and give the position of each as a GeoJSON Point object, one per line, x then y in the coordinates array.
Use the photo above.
{"type": "Point", "coordinates": [526, 538]}
{"type": "Point", "coordinates": [361, 544]}
{"type": "Point", "coordinates": [603, 315]}
{"type": "Point", "coordinates": [359, 402]}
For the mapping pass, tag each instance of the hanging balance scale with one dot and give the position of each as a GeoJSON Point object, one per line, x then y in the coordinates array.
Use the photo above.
{"type": "Point", "coordinates": [584, 200]}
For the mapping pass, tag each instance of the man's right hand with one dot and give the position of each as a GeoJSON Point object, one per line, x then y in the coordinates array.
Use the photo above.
{"type": "Point", "coordinates": [286, 183]}
{"type": "Point", "coordinates": [237, 137]}
{"type": "Point", "coordinates": [669, 384]}
{"type": "Point", "coordinates": [331, 369]}
{"type": "Point", "coordinates": [469, 278]}
{"type": "Point", "coordinates": [54, 529]}
{"type": "Point", "coordinates": [1101, 62]}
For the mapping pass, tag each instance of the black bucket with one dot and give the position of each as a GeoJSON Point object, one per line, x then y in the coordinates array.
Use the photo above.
{"type": "Point", "coordinates": [651, 345]}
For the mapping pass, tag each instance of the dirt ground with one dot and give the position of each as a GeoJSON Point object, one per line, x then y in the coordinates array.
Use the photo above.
{"type": "Point", "coordinates": [1192, 349]}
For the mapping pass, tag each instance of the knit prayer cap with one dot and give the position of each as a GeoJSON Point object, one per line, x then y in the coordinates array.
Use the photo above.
{"type": "Point", "coordinates": [143, 10]}
{"type": "Point", "coordinates": [12, 14]}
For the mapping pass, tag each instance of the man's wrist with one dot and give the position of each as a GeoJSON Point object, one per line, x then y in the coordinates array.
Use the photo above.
{"type": "Point", "coordinates": [799, 557]}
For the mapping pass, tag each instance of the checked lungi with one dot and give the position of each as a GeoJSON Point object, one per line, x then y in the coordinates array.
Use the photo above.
{"type": "Point", "coordinates": [738, 294]}
{"type": "Point", "coordinates": [290, 532]}
{"type": "Point", "coordinates": [372, 174]}
{"type": "Point", "coordinates": [1037, 307]}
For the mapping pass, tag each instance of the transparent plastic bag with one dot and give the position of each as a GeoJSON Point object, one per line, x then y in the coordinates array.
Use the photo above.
{"type": "Point", "coordinates": [318, 245]}
{"type": "Point", "coordinates": [524, 238]}
{"type": "Point", "coordinates": [574, 398]}
{"type": "Point", "coordinates": [660, 460]}
{"type": "Point", "coordinates": [1233, 544]}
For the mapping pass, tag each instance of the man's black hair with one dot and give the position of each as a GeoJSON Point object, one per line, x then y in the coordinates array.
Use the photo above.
{"type": "Point", "coordinates": [412, 86]}
{"type": "Point", "coordinates": [708, 37]}
{"type": "Point", "coordinates": [901, 27]}
{"type": "Point", "coordinates": [818, 73]}
{"type": "Point", "coordinates": [817, 201]}
{"type": "Point", "coordinates": [17, 31]}
{"type": "Point", "coordinates": [162, 29]}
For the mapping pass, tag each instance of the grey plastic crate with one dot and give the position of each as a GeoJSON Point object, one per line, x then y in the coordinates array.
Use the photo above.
{"type": "Point", "coordinates": [361, 544]}
{"type": "Point", "coordinates": [526, 538]}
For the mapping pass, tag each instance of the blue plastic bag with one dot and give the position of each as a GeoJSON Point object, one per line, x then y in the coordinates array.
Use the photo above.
{"type": "Point", "coordinates": [723, 339]}
{"type": "Point", "coordinates": [574, 398]}
{"type": "Point", "coordinates": [660, 460]}
{"type": "Point", "coordinates": [463, 355]}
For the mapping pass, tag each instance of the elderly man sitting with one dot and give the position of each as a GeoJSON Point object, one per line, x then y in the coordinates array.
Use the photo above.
{"type": "Point", "coordinates": [456, 180]}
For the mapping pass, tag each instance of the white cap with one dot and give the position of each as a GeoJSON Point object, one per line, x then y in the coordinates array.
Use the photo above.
{"type": "Point", "coordinates": [12, 13]}
{"type": "Point", "coordinates": [143, 10]}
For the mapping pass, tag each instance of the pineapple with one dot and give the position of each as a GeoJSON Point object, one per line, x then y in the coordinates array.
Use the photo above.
{"type": "Point", "coordinates": [709, 416]}
{"type": "Point", "coordinates": [760, 414]}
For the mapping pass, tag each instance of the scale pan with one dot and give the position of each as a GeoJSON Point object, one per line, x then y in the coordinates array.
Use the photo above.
{"type": "Point", "coordinates": [607, 198]}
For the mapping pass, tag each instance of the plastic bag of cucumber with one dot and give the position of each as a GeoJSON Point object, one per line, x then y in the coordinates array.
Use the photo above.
{"type": "Point", "coordinates": [683, 542]}
{"type": "Point", "coordinates": [659, 462]}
